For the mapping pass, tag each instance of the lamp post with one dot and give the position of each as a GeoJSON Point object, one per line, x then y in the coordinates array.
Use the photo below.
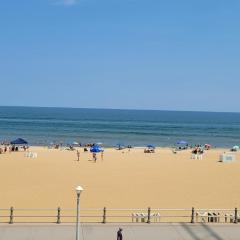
{"type": "Point", "coordinates": [78, 189]}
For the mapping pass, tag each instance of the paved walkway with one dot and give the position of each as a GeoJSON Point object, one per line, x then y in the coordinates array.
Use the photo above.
{"type": "Point", "coordinates": [130, 232]}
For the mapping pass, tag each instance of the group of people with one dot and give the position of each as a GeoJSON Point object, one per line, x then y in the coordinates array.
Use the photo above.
{"type": "Point", "coordinates": [94, 155]}
{"type": "Point", "coordinates": [11, 148]}
{"type": "Point", "coordinates": [198, 150]}
{"type": "Point", "coordinates": [3, 150]}
{"type": "Point", "coordinates": [149, 150]}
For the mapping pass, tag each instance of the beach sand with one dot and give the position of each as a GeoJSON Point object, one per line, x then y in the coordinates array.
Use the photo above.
{"type": "Point", "coordinates": [122, 180]}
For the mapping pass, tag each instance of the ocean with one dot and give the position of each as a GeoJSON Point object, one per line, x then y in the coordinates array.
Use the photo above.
{"type": "Point", "coordinates": [41, 126]}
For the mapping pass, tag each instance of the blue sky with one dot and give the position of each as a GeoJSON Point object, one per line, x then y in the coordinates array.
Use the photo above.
{"type": "Point", "coordinates": [133, 54]}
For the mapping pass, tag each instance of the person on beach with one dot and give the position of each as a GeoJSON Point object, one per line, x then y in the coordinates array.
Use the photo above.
{"type": "Point", "coordinates": [78, 155]}
{"type": "Point", "coordinates": [102, 155]}
{"type": "Point", "coordinates": [119, 234]}
{"type": "Point", "coordinates": [94, 157]}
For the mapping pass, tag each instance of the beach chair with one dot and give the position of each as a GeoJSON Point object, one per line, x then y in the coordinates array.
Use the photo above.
{"type": "Point", "coordinates": [216, 217]}
{"type": "Point", "coordinates": [26, 154]}
{"type": "Point", "coordinates": [136, 217]}
{"type": "Point", "coordinates": [193, 156]}
{"type": "Point", "coordinates": [143, 217]}
{"type": "Point", "coordinates": [231, 217]}
{"type": "Point", "coordinates": [157, 217]}
{"type": "Point", "coordinates": [202, 215]}
{"type": "Point", "coordinates": [210, 217]}
{"type": "Point", "coordinates": [133, 217]}
{"type": "Point", "coordinates": [213, 217]}
{"type": "Point", "coordinates": [228, 217]}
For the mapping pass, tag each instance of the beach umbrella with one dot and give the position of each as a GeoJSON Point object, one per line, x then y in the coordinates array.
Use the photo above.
{"type": "Point", "coordinates": [235, 147]}
{"type": "Point", "coordinates": [182, 142]}
{"type": "Point", "coordinates": [208, 145]}
{"type": "Point", "coordinates": [96, 149]}
{"type": "Point", "coordinates": [151, 146]}
{"type": "Point", "coordinates": [19, 141]}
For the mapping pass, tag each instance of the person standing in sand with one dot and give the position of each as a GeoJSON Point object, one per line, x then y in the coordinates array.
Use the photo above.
{"type": "Point", "coordinates": [102, 155]}
{"type": "Point", "coordinates": [94, 157]}
{"type": "Point", "coordinates": [78, 155]}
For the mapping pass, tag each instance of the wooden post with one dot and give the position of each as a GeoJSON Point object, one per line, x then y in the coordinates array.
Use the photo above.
{"type": "Point", "coordinates": [236, 216]}
{"type": "Point", "coordinates": [149, 215]}
{"type": "Point", "coordinates": [104, 215]}
{"type": "Point", "coordinates": [58, 215]}
{"type": "Point", "coordinates": [11, 216]}
{"type": "Point", "coordinates": [192, 216]}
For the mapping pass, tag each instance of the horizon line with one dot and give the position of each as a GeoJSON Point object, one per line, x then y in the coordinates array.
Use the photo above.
{"type": "Point", "coordinates": [120, 109]}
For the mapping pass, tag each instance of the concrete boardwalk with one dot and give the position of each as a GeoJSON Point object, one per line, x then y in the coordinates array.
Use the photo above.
{"type": "Point", "coordinates": [178, 231]}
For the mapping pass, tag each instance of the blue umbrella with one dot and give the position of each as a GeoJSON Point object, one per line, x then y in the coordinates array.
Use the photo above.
{"type": "Point", "coordinates": [96, 149]}
{"type": "Point", "coordinates": [19, 141]}
{"type": "Point", "coordinates": [182, 142]}
{"type": "Point", "coordinates": [150, 146]}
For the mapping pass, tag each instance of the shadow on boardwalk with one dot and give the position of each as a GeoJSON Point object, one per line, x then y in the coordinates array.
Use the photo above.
{"type": "Point", "coordinates": [201, 231]}
{"type": "Point", "coordinates": [181, 231]}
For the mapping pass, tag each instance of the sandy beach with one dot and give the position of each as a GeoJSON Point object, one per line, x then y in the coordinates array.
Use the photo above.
{"type": "Point", "coordinates": [121, 180]}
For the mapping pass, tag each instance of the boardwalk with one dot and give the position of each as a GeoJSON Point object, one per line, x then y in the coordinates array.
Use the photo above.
{"type": "Point", "coordinates": [163, 231]}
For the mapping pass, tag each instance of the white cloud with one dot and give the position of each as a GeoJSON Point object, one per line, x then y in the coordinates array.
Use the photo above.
{"type": "Point", "coordinates": [66, 2]}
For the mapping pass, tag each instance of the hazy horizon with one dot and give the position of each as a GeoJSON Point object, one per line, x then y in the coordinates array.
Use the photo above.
{"type": "Point", "coordinates": [123, 109]}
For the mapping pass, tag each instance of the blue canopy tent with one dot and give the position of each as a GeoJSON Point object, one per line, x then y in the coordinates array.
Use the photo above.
{"type": "Point", "coordinates": [182, 145]}
{"type": "Point", "coordinates": [19, 141]}
{"type": "Point", "coordinates": [182, 142]}
{"type": "Point", "coordinates": [151, 146]}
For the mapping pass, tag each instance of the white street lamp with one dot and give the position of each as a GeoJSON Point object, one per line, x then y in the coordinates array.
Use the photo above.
{"type": "Point", "coordinates": [78, 189]}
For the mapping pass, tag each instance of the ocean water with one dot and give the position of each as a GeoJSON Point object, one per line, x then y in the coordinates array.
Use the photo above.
{"type": "Point", "coordinates": [40, 126]}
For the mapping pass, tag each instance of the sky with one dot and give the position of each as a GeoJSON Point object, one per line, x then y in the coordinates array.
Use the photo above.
{"type": "Point", "coordinates": [124, 54]}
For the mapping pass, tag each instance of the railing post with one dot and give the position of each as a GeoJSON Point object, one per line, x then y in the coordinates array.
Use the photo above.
{"type": "Point", "coordinates": [104, 215]}
{"type": "Point", "coordinates": [11, 216]}
{"type": "Point", "coordinates": [149, 215]}
{"type": "Point", "coordinates": [236, 216]}
{"type": "Point", "coordinates": [58, 215]}
{"type": "Point", "coordinates": [192, 216]}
